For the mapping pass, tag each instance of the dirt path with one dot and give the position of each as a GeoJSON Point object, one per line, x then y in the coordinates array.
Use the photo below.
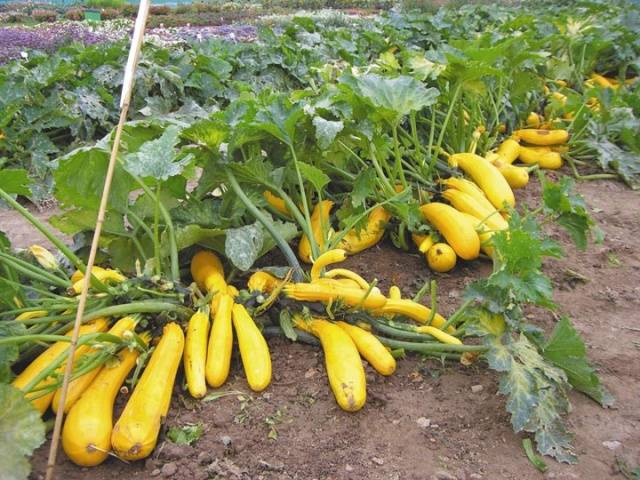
{"type": "Point", "coordinates": [425, 421]}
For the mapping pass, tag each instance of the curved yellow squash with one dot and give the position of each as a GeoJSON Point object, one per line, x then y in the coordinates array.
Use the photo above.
{"type": "Point", "coordinates": [319, 217]}
{"type": "Point", "coordinates": [136, 432]}
{"type": "Point", "coordinates": [220, 343]}
{"type": "Point", "coordinates": [439, 335]}
{"type": "Point", "coordinates": [336, 255]}
{"type": "Point", "coordinates": [542, 137]}
{"type": "Point", "coordinates": [344, 366]}
{"type": "Point", "coordinates": [328, 292]}
{"type": "Point", "coordinates": [508, 150]}
{"type": "Point", "coordinates": [356, 241]}
{"type": "Point", "coordinates": [80, 384]}
{"type": "Point", "coordinates": [254, 351]}
{"type": "Point", "coordinates": [486, 176]}
{"type": "Point", "coordinates": [371, 349]}
{"type": "Point", "coordinates": [454, 228]}
{"type": "Point", "coordinates": [277, 203]}
{"type": "Point", "coordinates": [195, 354]}
{"type": "Point", "coordinates": [41, 403]}
{"type": "Point", "coordinates": [516, 177]}
{"type": "Point", "coordinates": [423, 242]}
{"type": "Point", "coordinates": [86, 436]}
{"type": "Point", "coordinates": [545, 157]}
{"type": "Point", "coordinates": [415, 311]}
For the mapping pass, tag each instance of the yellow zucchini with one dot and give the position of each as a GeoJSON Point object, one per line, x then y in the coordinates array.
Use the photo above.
{"type": "Point", "coordinates": [486, 176]}
{"type": "Point", "coordinates": [470, 188]}
{"type": "Point", "coordinates": [319, 217]}
{"type": "Point", "coordinates": [195, 353]}
{"type": "Point", "coordinates": [107, 276]}
{"type": "Point", "coordinates": [534, 120]}
{"type": "Point", "coordinates": [439, 335]}
{"type": "Point", "coordinates": [336, 255]}
{"type": "Point", "coordinates": [323, 292]}
{"type": "Point", "coordinates": [220, 343]}
{"type": "Point", "coordinates": [423, 242]}
{"type": "Point", "coordinates": [467, 204]}
{"type": "Point", "coordinates": [485, 232]}
{"type": "Point", "coordinates": [508, 150]}
{"type": "Point", "coordinates": [136, 432]}
{"type": "Point", "coordinates": [344, 273]}
{"type": "Point", "coordinates": [542, 137]}
{"type": "Point", "coordinates": [415, 311]}
{"type": "Point", "coordinates": [544, 157]}
{"type": "Point", "coordinates": [207, 272]}
{"type": "Point", "coordinates": [254, 351]}
{"type": "Point", "coordinates": [80, 384]}
{"type": "Point", "coordinates": [371, 349]}
{"type": "Point", "coordinates": [516, 177]}
{"type": "Point", "coordinates": [86, 436]}
{"type": "Point", "coordinates": [356, 241]}
{"type": "Point", "coordinates": [454, 228]}
{"type": "Point", "coordinates": [42, 402]}
{"type": "Point", "coordinates": [344, 366]}
{"type": "Point", "coordinates": [277, 203]}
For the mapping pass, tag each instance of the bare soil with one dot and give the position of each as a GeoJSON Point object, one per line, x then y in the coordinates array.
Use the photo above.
{"type": "Point", "coordinates": [295, 430]}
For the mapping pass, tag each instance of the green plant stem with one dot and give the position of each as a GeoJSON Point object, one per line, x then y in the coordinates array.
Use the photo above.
{"type": "Point", "coordinates": [431, 347]}
{"type": "Point", "coordinates": [144, 306]}
{"type": "Point", "coordinates": [398, 156]}
{"type": "Point", "coordinates": [156, 233]}
{"type": "Point", "coordinates": [434, 302]}
{"type": "Point", "coordinates": [315, 250]}
{"type": "Point", "coordinates": [284, 247]}
{"type": "Point", "coordinates": [34, 272]}
{"type": "Point", "coordinates": [293, 209]}
{"type": "Point", "coordinates": [453, 319]}
{"type": "Point", "coordinates": [454, 99]}
{"type": "Point", "coordinates": [173, 246]}
{"type": "Point", "coordinates": [414, 136]}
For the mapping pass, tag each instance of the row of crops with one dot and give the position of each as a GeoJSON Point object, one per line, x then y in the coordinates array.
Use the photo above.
{"type": "Point", "coordinates": [307, 146]}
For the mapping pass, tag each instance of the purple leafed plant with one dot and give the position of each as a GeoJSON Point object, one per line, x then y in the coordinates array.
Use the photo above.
{"type": "Point", "coordinates": [15, 40]}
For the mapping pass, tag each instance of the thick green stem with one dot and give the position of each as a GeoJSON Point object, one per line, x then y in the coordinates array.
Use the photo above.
{"type": "Point", "coordinates": [173, 246]}
{"type": "Point", "coordinates": [443, 130]}
{"type": "Point", "coordinates": [145, 306]}
{"type": "Point", "coordinates": [156, 234]}
{"type": "Point", "coordinates": [431, 347]}
{"type": "Point", "coordinates": [284, 247]}
{"type": "Point", "coordinates": [34, 272]}
{"type": "Point", "coordinates": [398, 156]}
{"type": "Point", "coordinates": [315, 251]}
{"type": "Point", "coordinates": [453, 319]}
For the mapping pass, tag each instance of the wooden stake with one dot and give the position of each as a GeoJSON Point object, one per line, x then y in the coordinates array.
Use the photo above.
{"type": "Point", "coordinates": [127, 88]}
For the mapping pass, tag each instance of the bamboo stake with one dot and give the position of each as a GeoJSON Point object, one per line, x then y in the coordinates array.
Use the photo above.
{"type": "Point", "coordinates": [127, 88]}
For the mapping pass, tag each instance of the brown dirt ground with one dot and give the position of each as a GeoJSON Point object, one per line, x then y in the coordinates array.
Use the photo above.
{"type": "Point", "coordinates": [469, 436]}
